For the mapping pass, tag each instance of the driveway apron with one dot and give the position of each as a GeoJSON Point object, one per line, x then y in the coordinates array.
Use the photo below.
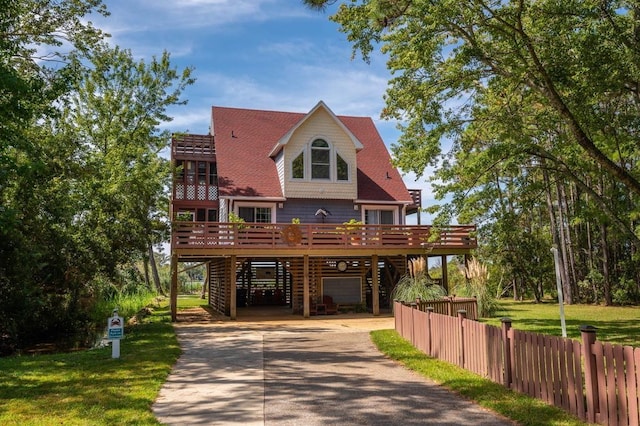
{"type": "Point", "coordinates": [301, 372]}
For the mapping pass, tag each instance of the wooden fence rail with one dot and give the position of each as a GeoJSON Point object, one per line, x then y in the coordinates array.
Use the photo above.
{"type": "Point", "coordinates": [598, 382]}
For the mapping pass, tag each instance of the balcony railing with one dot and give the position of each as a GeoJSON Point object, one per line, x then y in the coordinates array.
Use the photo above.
{"type": "Point", "coordinates": [215, 235]}
{"type": "Point", "coordinates": [192, 145]}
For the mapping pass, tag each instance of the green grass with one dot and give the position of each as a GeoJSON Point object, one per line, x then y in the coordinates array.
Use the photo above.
{"type": "Point", "coordinates": [518, 407]}
{"type": "Point", "coordinates": [190, 301]}
{"type": "Point", "coordinates": [617, 325]}
{"type": "Point", "coordinates": [90, 387]}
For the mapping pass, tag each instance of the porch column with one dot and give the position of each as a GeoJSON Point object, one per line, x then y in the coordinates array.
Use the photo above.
{"type": "Point", "coordinates": [305, 287]}
{"type": "Point", "coordinates": [445, 273]}
{"type": "Point", "coordinates": [173, 291]}
{"type": "Point", "coordinates": [375, 285]}
{"type": "Point", "coordinates": [232, 285]}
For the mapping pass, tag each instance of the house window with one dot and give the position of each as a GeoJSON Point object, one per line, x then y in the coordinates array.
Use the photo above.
{"type": "Point", "coordinates": [323, 161]}
{"type": "Point", "coordinates": [187, 171]}
{"type": "Point", "coordinates": [190, 167]}
{"type": "Point", "coordinates": [379, 217]}
{"type": "Point", "coordinates": [342, 168]}
{"type": "Point", "coordinates": [297, 167]}
{"type": "Point", "coordinates": [213, 174]}
{"type": "Point", "coordinates": [320, 160]}
{"type": "Point", "coordinates": [255, 214]}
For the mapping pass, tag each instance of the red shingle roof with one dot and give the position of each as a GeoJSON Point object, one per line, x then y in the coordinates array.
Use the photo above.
{"type": "Point", "coordinates": [244, 138]}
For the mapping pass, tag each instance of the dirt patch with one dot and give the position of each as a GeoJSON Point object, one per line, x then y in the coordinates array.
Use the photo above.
{"type": "Point", "coordinates": [200, 315]}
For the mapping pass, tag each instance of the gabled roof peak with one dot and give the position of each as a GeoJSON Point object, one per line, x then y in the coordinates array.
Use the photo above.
{"type": "Point", "coordinates": [320, 105]}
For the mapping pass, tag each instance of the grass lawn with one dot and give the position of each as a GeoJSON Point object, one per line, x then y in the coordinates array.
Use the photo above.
{"type": "Point", "coordinates": [617, 325]}
{"type": "Point", "coordinates": [89, 387]}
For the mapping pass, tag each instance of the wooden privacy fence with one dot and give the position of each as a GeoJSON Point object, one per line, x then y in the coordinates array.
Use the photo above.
{"type": "Point", "coordinates": [598, 382]}
{"type": "Point", "coordinates": [450, 306]}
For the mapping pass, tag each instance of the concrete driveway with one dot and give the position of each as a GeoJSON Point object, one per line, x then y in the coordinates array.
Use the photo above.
{"type": "Point", "coordinates": [284, 371]}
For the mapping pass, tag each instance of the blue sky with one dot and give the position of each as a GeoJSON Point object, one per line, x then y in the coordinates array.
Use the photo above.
{"type": "Point", "coordinates": [262, 54]}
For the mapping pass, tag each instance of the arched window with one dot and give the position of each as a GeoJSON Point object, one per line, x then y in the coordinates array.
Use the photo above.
{"type": "Point", "coordinates": [320, 159]}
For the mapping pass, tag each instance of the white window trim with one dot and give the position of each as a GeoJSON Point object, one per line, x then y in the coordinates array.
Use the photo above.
{"type": "Point", "coordinates": [394, 209]}
{"type": "Point", "coordinates": [272, 206]}
{"type": "Point", "coordinates": [333, 163]}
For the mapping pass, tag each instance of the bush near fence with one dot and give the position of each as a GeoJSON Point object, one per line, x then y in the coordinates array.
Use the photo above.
{"type": "Point", "coordinates": [598, 382]}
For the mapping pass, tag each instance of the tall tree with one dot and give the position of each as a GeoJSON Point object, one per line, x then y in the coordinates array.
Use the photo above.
{"type": "Point", "coordinates": [543, 86]}
{"type": "Point", "coordinates": [115, 115]}
{"type": "Point", "coordinates": [37, 263]}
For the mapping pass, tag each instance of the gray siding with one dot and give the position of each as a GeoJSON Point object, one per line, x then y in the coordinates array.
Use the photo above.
{"type": "Point", "coordinates": [305, 209]}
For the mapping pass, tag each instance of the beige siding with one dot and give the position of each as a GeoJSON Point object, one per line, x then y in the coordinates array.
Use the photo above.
{"type": "Point", "coordinates": [280, 166]}
{"type": "Point", "coordinates": [320, 125]}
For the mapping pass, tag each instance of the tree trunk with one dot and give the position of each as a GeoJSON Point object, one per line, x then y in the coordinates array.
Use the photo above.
{"type": "Point", "coordinates": [154, 270]}
{"type": "Point", "coordinates": [564, 268]}
{"type": "Point", "coordinates": [203, 293]}
{"type": "Point", "coordinates": [606, 285]}
{"type": "Point", "coordinates": [147, 281]}
{"type": "Point", "coordinates": [570, 259]}
{"type": "Point", "coordinates": [552, 226]}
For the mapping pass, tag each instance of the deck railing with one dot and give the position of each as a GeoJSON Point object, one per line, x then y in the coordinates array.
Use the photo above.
{"type": "Point", "coordinates": [309, 236]}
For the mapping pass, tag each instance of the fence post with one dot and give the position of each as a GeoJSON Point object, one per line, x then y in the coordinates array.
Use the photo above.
{"type": "Point", "coordinates": [397, 315]}
{"type": "Point", "coordinates": [588, 334]}
{"type": "Point", "coordinates": [429, 311]}
{"type": "Point", "coordinates": [506, 351]}
{"type": "Point", "coordinates": [413, 324]}
{"type": "Point", "coordinates": [462, 314]}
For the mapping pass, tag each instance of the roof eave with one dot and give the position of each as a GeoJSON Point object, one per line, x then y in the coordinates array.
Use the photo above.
{"type": "Point", "coordinates": [287, 136]}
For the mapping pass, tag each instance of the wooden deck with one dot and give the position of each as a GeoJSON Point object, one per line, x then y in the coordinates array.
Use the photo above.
{"type": "Point", "coordinates": [277, 239]}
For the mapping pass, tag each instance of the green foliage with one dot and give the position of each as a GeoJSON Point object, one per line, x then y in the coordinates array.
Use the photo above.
{"type": "Point", "coordinates": [476, 285]}
{"type": "Point", "coordinates": [408, 289]}
{"type": "Point", "coordinates": [417, 284]}
{"type": "Point", "coordinates": [82, 182]}
{"type": "Point", "coordinates": [527, 112]}
{"type": "Point", "coordinates": [234, 218]}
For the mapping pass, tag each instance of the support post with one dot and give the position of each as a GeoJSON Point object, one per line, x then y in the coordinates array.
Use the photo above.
{"type": "Point", "coordinates": [173, 291]}
{"type": "Point", "coordinates": [506, 351]}
{"type": "Point", "coordinates": [588, 334]}
{"type": "Point", "coordinates": [445, 273]}
{"type": "Point", "coordinates": [233, 296]}
{"type": "Point", "coordinates": [375, 284]}
{"type": "Point", "coordinates": [305, 287]}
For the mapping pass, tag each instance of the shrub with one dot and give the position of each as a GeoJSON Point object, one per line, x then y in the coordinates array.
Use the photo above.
{"type": "Point", "coordinates": [417, 284]}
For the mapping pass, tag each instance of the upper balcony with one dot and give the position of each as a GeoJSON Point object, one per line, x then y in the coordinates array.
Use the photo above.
{"type": "Point", "coordinates": [190, 146]}
{"type": "Point", "coordinates": [200, 239]}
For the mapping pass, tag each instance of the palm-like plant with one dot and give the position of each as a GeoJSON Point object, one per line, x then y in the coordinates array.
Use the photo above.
{"type": "Point", "coordinates": [417, 284]}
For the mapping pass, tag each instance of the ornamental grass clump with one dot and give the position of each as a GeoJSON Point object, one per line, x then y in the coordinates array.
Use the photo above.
{"type": "Point", "coordinates": [475, 285]}
{"type": "Point", "coordinates": [417, 284]}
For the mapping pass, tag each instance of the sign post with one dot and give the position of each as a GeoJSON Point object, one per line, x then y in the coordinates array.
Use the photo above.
{"type": "Point", "coordinates": [115, 332]}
